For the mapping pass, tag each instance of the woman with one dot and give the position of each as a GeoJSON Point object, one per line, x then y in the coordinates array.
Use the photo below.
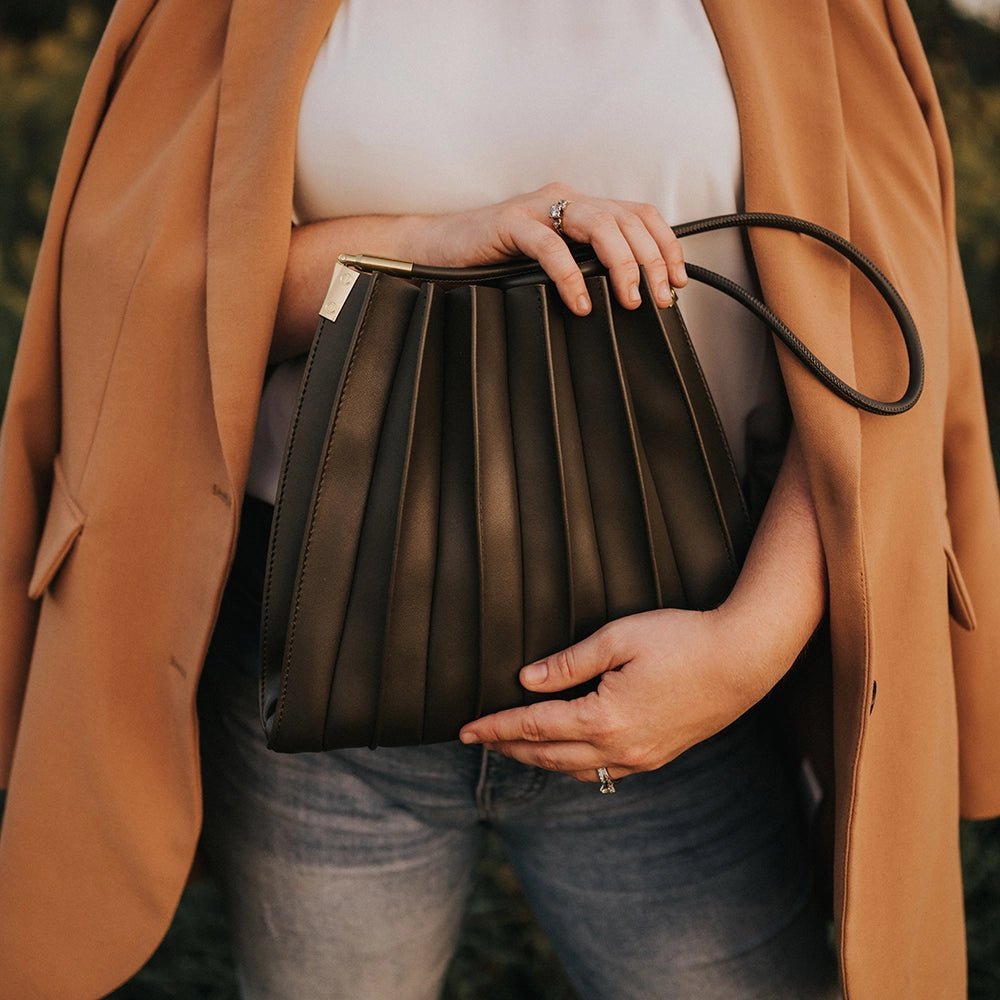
{"type": "Point", "coordinates": [744, 924]}
{"type": "Point", "coordinates": [131, 423]}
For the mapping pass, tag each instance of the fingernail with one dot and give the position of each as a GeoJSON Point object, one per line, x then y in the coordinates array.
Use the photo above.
{"type": "Point", "coordinates": [535, 673]}
{"type": "Point", "coordinates": [683, 272]}
{"type": "Point", "coordinates": [468, 736]}
{"type": "Point", "coordinates": [664, 293]}
{"type": "Point", "coordinates": [633, 293]}
{"type": "Point", "coordinates": [583, 304]}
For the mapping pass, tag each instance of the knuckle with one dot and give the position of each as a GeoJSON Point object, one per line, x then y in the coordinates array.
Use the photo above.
{"type": "Point", "coordinates": [563, 663]}
{"type": "Point", "coordinates": [675, 252]}
{"type": "Point", "coordinates": [607, 638]}
{"type": "Point", "coordinates": [571, 279]}
{"type": "Point", "coordinates": [609, 731]}
{"type": "Point", "coordinates": [531, 728]}
{"type": "Point", "coordinates": [555, 190]}
{"type": "Point", "coordinates": [601, 731]}
{"type": "Point", "coordinates": [546, 760]}
{"type": "Point", "coordinates": [627, 267]}
{"type": "Point", "coordinates": [593, 713]}
{"type": "Point", "coordinates": [605, 219]}
{"type": "Point", "coordinates": [631, 757]}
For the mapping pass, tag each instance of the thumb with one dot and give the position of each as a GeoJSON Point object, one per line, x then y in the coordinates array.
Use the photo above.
{"type": "Point", "coordinates": [588, 658]}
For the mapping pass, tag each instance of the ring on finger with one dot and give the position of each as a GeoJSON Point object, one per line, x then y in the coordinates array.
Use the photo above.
{"type": "Point", "coordinates": [556, 210]}
{"type": "Point", "coordinates": [607, 785]}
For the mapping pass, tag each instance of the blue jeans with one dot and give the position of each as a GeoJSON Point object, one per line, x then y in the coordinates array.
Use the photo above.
{"type": "Point", "coordinates": [345, 873]}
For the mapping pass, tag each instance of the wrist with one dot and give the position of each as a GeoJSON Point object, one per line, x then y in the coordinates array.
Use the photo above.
{"type": "Point", "coordinates": [769, 630]}
{"type": "Point", "coordinates": [415, 238]}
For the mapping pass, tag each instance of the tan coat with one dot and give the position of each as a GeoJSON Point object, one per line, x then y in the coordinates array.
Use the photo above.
{"type": "Point", "coordinates": [126, 442]}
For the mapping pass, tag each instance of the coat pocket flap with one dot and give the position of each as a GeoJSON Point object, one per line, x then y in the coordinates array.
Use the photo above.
{"type": "Point", "coordinates": [63, 523]}
{"type": "Point", "coordinates": [959, 602]}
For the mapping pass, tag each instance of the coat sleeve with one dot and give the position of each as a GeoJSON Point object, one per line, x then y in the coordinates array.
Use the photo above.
{"type": "Point", "coordinates": [29, 435]}
{"type": "Point", "coordinates": [973, 505]}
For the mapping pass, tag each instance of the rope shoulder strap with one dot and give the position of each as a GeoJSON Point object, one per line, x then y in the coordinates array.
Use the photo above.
{"type": "Point", "coordinates": [892, 298]}
{"type": "Point", "coordinates": [520, 271]}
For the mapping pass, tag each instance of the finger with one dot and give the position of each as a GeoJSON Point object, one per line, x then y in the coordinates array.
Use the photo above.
{"type": "Point", "coordinates": [591, 657]}
{"type": "Point", "coordinates": [647, 253]}
{"type": "Point", "coordinates": [541, 722]}
{"type": "Point", "coordinates": [599, 225]}
{"type": "Point", "coordinates": [669, 246]}
{"type": "Point", "coordinates": [568, 758]}
{"type": "Point", "coordinates": [544, 244]}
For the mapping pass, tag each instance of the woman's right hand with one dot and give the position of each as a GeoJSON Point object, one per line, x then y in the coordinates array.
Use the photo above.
{"type": "Point", "coordinates": [624, 236]}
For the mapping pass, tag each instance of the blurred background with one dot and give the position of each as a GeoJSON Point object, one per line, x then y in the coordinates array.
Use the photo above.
{"type": "Point", "coordinates": [45, 48]}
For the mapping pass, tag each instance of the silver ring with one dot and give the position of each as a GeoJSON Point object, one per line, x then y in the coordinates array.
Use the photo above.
{"type": "Point", "coordinates": [607, 785]}
{"type": "Point", "coordinates": [556, 210]}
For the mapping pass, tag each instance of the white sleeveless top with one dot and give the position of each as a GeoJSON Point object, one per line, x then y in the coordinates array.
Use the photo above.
{"type": "Point", "coordinates": [445, 105]}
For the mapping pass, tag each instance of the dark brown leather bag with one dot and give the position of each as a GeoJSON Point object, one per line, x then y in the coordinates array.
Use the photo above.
{"type": "Point", "coordinates": [475, 478]}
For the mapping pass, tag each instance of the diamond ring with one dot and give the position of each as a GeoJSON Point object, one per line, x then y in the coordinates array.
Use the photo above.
{"type": "Point", "coordinates": [556, 210]}
{"type": "Point", "coordinates": [607, 785]}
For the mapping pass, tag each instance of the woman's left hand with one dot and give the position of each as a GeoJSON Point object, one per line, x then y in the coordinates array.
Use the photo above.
{"type": "Point", "coordinates": [669, 679]}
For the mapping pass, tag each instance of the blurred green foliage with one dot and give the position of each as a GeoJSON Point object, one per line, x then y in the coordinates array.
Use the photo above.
{"type": "Point", "coordinates": [965, 57]}
{"type": "Point", "coordinates": [45, 48]}
{"type": "Point", "coordinates": [40, 77]}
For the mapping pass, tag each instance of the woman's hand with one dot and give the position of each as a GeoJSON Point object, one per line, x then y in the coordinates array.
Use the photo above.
{"type": "Point", "coordinates": [670, 679]}
{"type": "Point", "coordinates": [624, 235]}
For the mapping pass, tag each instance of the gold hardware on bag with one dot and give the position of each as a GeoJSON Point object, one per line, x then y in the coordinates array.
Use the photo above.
{"type": "Point", "coordinates": [366, 262]}
{"type": "Point", "coordinates": [345, 274]}
{"type": "Point", "coordinates": [341, 283]}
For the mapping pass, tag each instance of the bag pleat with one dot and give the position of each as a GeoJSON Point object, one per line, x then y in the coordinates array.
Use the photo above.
{"type": "Point", "coordinates": [588, 606]}
{"type": "Point", "coordinates": [501, 592]}
{"type": "Point", "coordinates": [411, 570]}
{"type": "Point", "coordinates": [635, 368]}
{"type": "Point", "coordinates": [720, 473]}
{"type": "Point", "coordinates": [354, 696]}
{"type": "Point", "coordinates": [333, 536]}
{"type": "Point", "coordinates": [666, 575]}
{"type": "Point", "coordinates": [609, 455]}
{"type": "Point", "coordinates": [547, 599]}
{"type": "Point", "coordinates": [663, 427]}
{"type": "Point", "coordinates": [453, 649]}
{"type": "Point", "coordinates": [664, 388]}
{"type": "Point", "coordinates": [652, 528]}
{"type": "Point", "coordinates": [293, 702]}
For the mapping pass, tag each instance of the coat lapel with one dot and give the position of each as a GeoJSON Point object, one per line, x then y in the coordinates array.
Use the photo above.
{"type": "Point", "coordinates": [781, 67]}
{"type": "Point", "coordinates": [781, 63]}
{"type": "Point", "coordinates": [270, 48]}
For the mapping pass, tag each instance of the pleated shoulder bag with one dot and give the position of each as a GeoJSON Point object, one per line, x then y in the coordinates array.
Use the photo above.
{"type": "Point", "coordinates": [475, 478]}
